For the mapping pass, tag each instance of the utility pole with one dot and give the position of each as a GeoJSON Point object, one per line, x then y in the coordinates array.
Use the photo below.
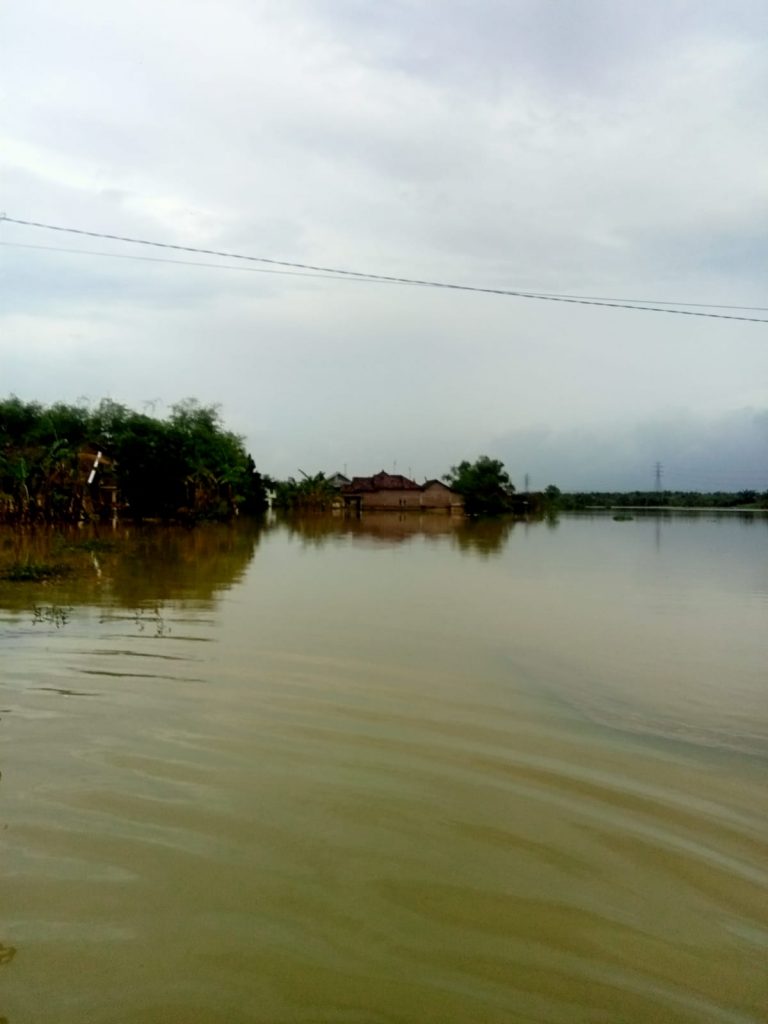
{"type": "Point", "coordinates": [659, 470]}
{"type": "Point", "coordinates": [527, 483]}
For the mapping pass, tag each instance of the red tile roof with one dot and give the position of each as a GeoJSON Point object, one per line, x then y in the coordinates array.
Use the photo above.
{"type": "Point", "coordinates": [381, 482]}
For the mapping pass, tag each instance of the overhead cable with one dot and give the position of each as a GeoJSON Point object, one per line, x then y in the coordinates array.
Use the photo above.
{"type": "Point", "coordinates": [184, 263]}
{"type": "Point", "coordinates": [362, 275]}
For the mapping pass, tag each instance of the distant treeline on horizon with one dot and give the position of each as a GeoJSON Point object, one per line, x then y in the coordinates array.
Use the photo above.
{"type": "Point", "coordinates": [576, 500]}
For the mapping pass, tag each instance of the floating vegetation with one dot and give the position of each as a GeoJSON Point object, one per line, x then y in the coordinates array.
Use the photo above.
{"type": "Point", "coordinates": [56, 614]}
{"type": "Point", "coordinates": [34, 572]}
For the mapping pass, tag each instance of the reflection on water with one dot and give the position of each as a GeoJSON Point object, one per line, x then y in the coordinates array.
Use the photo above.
{"type": "Point", "coordinates": [130, 566]}
{"type": "Point", "coordinates": [387, 770]}
{"type": "Point", "coordinates": [484, 536]}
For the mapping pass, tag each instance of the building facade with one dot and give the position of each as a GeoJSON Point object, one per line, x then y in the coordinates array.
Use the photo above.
{"type": "Point", "coordinates": [393, 492]}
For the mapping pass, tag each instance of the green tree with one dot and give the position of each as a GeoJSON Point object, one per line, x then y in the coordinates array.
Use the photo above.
{"type": "Point", "coordinates": [185, 467]}
{"type": "Point", "coordinates": [552, 496]}
{"type": "Point", "coordinates": [484, 485]}
{"type": "Point", "coordinates": [311, 494]}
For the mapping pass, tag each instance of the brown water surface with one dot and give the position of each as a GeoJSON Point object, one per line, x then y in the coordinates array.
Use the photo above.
{"type": "Point", "coordinates": [389, 770]}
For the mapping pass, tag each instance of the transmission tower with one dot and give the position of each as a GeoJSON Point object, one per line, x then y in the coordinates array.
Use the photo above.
{"type": "Point", "coordinates": [659, 470]}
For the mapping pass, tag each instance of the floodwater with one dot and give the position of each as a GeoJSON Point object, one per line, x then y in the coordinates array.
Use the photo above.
{"type": "Point", "coordinates": [389, 770]}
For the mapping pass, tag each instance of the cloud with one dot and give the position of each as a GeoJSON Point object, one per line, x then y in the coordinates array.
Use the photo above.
{"type": "Point", "coordinates": [697, 453]}
{"type": "Point", "coordinates": [553, 146]}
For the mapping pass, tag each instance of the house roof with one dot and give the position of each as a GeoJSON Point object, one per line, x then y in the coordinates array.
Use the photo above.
{"type": "Point", "coordinates": [387, 482]}
{"type": "Point", "coordinates": [382, 482]}
{"type": "Point", "coordinates": [88, 452]}
{"type": "Point", "coordinates": [338, 480]}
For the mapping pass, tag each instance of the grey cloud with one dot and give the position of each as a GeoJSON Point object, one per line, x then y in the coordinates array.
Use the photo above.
{"type": "Point", "coordinates": [561, 45]}
{"type": "Point", "coordinates": [588, 147]}
{"type": "Point", "coordinates": [697, 453]}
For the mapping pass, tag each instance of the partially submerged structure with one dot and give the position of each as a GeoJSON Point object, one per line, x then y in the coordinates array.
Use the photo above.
{"type": "Point", "coordinates": [97, 484]}
{"type": "Point", "coordinates": [393, 492]}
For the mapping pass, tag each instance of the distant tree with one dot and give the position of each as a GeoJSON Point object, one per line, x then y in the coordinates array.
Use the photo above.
{"type": "Point", "coordinates": [552, 496]}
{"type": "Point", "coordinates": [484, 485]}
{"type": "Point", "coordinates": [666, 499]}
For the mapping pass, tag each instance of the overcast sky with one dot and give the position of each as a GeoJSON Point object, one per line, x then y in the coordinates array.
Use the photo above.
{"type": "Point", "coordinates": [586, 147]}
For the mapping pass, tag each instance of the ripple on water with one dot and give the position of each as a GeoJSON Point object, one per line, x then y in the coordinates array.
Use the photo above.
{"type": "Point", "coordinates": [293, 838]}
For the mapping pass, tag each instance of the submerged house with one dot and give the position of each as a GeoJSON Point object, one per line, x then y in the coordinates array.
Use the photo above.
{"type": "Point", "coordinates": [338, 480]}
{"type": "Point", "coordinates": [397, 493]}
{"type": "Point", "coordinates": [437, 495]}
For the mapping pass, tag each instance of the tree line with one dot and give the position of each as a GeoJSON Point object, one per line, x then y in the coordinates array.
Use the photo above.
{"type": "Point", "coordinates": [184, 467]}
{"type": "Point", "coordinates": [189, 467]}
{"type": "Point", "coordinates": [487, 490]}
{"type": "Point", "coordinates": [582, 500]}
{"type": "Point", "coordinates": [485, 486]}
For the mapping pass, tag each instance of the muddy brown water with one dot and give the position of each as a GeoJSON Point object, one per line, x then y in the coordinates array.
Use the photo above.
{"type": "Point", "coordinates": [389, 770]}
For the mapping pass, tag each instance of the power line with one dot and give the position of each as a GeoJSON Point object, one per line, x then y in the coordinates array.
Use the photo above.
{"type": "Point", "coordinates": [184, 263]}
{"type": "Point", "coordinates": [362, 275]}
{"type": "Point", "coordinates": [327, 276]}
{"type": "Point", "coordinates": [653, 302]}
